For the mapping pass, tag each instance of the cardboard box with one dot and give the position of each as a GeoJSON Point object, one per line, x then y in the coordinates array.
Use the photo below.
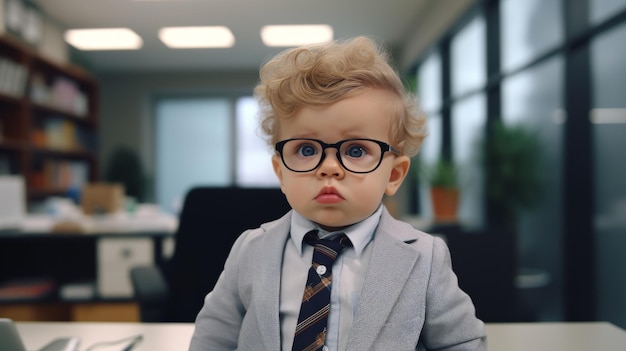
{"type": "Point", "coordinates": [98, 198]}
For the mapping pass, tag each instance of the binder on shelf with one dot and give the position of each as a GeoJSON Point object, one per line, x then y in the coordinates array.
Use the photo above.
{"type": "Point", "coordinates": [39, 92]}
{"type": "Point", "coordinates": [12, 77]}
{"type": "Point", "coordinates": [4, 75]}
{"type": "Point", "coordinates": [22, 77]}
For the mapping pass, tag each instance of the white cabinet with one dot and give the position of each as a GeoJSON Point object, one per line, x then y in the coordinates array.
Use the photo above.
{"type": "Point", "coordinates": [116, 256]}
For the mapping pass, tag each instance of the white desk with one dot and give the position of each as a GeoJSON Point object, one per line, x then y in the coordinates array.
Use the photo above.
{"type": "Point", "coordinates": [156, 337]}
{"type": "Point", "coordinates": [597, 336]}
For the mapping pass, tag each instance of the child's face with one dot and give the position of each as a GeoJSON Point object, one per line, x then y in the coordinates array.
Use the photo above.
{"type": "Point", "coordinates": [330, 195]}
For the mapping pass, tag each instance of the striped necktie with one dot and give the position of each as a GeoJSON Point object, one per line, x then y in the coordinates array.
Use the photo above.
{"type": "Point", "coordinates": [311, 329]}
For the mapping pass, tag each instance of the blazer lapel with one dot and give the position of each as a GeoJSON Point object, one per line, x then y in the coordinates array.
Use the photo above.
{"type": "Point", "coordinates": [267, 300]}
{"type": "Point", "coordinates": [388, 270]}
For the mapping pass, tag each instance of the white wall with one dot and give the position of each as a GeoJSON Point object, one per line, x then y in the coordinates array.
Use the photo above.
{"type": "Point", "coordinates": [126, 99]}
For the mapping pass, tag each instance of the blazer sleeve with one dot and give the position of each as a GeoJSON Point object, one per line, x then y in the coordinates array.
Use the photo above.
{"type": "Point", "coordinates": [218, 322]}
{"type": "Point", "coordinates": [451, 322]}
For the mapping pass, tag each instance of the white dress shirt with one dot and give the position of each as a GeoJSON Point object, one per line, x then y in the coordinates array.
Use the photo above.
{"type": "Point", "coordinates": [348, 275]}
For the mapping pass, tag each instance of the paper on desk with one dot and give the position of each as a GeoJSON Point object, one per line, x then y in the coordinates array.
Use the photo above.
{"type": "Point", "coordinates": [125, 223]}
{"type": "Point", "coordinates": [145, 219]}
{"type": "Point", "coordinates": [37, 224]}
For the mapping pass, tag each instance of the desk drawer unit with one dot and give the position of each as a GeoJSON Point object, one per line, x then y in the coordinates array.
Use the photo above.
{"type": "Point", "coordinates": [116, 256]}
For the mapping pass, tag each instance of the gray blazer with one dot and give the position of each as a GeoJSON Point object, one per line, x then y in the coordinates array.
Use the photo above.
{"type": "Point", "coordinates": [410, 298]}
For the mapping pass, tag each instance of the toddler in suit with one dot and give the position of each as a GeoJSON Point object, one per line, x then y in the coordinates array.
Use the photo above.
{"type": "Point", "coordinates": [343, 129]}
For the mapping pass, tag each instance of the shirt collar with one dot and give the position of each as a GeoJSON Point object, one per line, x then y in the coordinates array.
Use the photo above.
{"type": "Point", "coordinates": [360, 234]}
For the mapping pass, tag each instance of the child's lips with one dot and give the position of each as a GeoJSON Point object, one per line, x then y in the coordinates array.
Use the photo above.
{"type": "Point", "coordinates": [328, 195]}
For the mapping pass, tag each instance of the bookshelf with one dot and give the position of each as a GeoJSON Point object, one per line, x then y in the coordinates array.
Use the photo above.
{"type": "Point", "coordinates": [48, 121]}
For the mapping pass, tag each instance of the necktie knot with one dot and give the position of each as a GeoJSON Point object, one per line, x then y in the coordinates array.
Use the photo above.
{"type": "Point", "coordinates": [340, 241]}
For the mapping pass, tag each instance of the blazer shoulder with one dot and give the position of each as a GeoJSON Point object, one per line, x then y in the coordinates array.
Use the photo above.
{"type": "Point", "coordinates": [404, 231]}
{"type": "Point", "coordinates": [268, 231]}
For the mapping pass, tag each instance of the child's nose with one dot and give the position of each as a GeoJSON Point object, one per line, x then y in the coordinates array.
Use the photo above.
{"type": "Point", "coordinates": [331, 165]}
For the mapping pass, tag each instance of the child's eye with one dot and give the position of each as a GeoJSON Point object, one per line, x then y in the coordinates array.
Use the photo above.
{"type": "Point", "coordinates": [355, 151]}
{"type": "Point", "coordinates": [307, 150]}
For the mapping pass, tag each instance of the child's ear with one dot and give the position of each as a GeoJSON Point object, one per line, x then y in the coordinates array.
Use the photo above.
{"type": "Point", "coordinates": [276, 162]}
{"type": "Point", "coordinates": [398, 173]}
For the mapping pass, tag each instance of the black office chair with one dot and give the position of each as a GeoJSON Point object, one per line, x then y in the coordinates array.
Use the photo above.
{"type": "Point", "coordinates": [211, 219]}
{"type": "Point", "coordinates": [485, 263]}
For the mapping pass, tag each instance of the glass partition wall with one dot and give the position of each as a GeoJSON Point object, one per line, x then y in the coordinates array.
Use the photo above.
{"type": "Point", "coordinates": [557, 68]}
{"type": "Point", "coordinates": [216, 140]}
{"type": "Point", "coordinates": [608, 118]}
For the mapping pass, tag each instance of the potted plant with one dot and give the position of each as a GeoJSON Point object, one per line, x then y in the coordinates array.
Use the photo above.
{"type": "Point", "coordinates": [444, 190]}
{"type": "Point", "coordinates": [511, 161]}
{"type": "Point", "coordinates": [125, 167]}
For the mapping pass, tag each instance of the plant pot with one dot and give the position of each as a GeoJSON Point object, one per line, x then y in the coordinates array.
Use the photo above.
{"type": "Point", "coordinates": [445, 202]}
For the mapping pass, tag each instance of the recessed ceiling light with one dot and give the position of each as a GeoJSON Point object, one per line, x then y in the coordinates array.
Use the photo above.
{"type": "Point", "coordinates": [103, 39]}
{"type": "Point", "coordinates": [197, 37]}
{"type": "Point", "coordinates": [294, 35]}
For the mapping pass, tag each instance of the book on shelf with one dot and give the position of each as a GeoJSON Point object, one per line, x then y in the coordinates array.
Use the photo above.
{"type": "Point", "coordinates": [60, 134]}
{"type": "Point", "coordinates": [84, 290]}
{"type": "Point", "coordinates": [66, 95]}
{"type": "Point", "coordinates": [62, 94]}
{"type": "Point", "coordinates": [65, 174]}
{"type": "Point", "coordinates": [27, 289]}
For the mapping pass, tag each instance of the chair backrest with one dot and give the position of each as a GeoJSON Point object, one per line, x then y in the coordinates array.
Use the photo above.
{"type": "Point", "coordinates": [485, 262]}
{"type": "Point", "coordinates": [211, 219]}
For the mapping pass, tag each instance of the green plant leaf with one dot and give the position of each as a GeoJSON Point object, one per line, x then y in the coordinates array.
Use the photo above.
{"type": "Point", "coordinates": [443, 173]}
{"type": "Point", "coordinates": [512, 162]}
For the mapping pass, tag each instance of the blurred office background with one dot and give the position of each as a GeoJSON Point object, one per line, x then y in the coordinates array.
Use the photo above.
{"type": "Point", "coordinates": [556, 67]}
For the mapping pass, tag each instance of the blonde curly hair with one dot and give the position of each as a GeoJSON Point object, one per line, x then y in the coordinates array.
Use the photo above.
{"type": "Point", "coordinates": [322, 74]}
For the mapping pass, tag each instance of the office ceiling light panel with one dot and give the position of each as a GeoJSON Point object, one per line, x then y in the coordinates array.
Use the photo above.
{"type": "Point", "coordinates": [103, 39]}
{"type": "Point", "coordinates": [197, 37]}
{"type": "Point", "coordinates": [294, 35]}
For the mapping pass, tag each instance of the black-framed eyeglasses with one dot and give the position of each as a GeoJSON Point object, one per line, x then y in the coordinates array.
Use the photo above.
{"type": "Point", "coordinates": [354, 155]}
